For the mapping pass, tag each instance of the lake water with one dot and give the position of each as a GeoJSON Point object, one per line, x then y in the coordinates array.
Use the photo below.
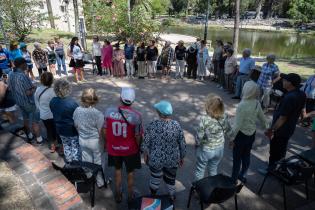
{"type": "Point", "coordinates": [283, 44]}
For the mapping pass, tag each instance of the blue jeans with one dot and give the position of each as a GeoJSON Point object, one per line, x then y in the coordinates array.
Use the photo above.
{"type": "Point", "coordinates": [240, 79]}
{"type": "Point", "coordinates": [61, 62]}
{"type": "Point", "coordinates": [241, 154]}
{"type": "Point", "coordinates": [208, 158]}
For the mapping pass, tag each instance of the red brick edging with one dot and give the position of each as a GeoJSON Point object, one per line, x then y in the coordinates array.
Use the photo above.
{"type": "Point", "coordinates": [59, 190]}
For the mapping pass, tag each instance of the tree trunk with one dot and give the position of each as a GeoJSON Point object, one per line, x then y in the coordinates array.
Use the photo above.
{"type": "Point", "coordinates": [258, 9]}
{"type": "Point", "coordinates": [50, 14]}
{"type": "Point", "coordinates": [76, 17]}
{"type": "Point", "coordinates": [236, 26]}
{"type": "Point", "coordinates": [230, 8]}
{"type": "Point", "coordinates": [129, 15]}
{"type": "Point", "coordinates": [187, 9]}
{"type": "Point", "coordinates": [268, 8]}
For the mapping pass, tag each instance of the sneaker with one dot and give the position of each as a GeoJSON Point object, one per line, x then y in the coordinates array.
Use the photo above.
{"type": "Point", "coordinates": [39, 140]}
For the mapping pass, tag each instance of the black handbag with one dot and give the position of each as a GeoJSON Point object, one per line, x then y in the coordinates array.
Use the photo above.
{"type": "Point", "coordinates": [72, 63]}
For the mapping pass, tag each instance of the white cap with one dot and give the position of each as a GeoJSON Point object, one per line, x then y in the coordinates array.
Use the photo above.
{"type": "Point", "coordinates": [127, 95]}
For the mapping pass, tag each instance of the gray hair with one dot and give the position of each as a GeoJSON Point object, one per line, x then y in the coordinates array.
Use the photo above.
{"type": "Point", "coordinates": [247, 51]}
{"type": "Point", "coordinates": [36, 44]}
{"type": "Point", "coordinates": [62, 88]}
{"type": "Point", "coordinates": [271, 56]}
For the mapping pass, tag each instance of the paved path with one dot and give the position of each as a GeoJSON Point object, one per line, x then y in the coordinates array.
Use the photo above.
{"type": "Point", "coordinates": [187, 97]}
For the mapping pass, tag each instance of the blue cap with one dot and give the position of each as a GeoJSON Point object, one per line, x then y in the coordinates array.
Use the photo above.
{"type": "Point", "coordinates": [22, 44]}
{"type": "Point", "coordinates": [164, 107]}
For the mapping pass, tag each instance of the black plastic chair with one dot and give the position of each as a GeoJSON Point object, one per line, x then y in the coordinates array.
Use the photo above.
{"type": "Point", "coordinates": [76, 171]}
{"type": "Point", "coordinates": [88, 59]}
{"type": "Point", "coordinates": [214, 190]}
{"type": "Point", "coordinates": [305, 175]}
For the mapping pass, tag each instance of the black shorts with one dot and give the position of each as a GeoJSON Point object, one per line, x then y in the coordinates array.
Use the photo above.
{"type": "Point", "coordinates": [132, 162]}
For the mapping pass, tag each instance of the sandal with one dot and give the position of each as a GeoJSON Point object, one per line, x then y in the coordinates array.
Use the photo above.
{"type": "Point", "coordinates": [118, 197]}
{"type": "Point", "coordinates": [131, 198]}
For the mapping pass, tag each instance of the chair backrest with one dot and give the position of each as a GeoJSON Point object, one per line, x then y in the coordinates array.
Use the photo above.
{"type": "Point", "coordinates": [74, 173]}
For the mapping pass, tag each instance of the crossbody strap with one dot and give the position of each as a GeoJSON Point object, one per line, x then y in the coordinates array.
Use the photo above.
{"type": "Point", "coordinates": [122, 114]}
{"type": "Point", "coordinates": [42, 93]}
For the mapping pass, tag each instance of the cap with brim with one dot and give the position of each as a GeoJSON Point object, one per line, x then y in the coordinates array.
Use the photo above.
{"type": "Point", "coordinates": [293, 78]}
{"type": "Point", "coordinates": [164, 107]}
{"type": "Point", "coordinates": [127, 95]}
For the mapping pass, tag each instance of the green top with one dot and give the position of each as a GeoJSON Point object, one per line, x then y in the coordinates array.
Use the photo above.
{"type": "Point", "coordinates": [210, 132]}
{"type": "Point", "coordinates": [248, 113]}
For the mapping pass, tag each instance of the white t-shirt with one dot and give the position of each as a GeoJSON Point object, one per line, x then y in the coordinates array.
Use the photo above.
{"type": "Point", "coordinates": [96, 49]}
{"type": "Point", "coordinates": [42, 103]}
{"type": "Point", "coordinates": [76, 52]}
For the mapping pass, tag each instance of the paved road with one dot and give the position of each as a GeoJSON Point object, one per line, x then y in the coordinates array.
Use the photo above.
{"type": "Point", "coordinates": [187, 97]}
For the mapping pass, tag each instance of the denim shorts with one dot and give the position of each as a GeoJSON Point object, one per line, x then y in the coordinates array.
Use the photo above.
{"type": "Point", "coordinates": [29, 112]}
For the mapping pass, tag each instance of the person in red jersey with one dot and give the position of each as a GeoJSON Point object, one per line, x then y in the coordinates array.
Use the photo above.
{"type": "Point", "coordinates": [123, 134]}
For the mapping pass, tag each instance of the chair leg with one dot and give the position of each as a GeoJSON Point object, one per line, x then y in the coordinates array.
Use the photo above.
{"type": "Point", "coordinates": [284, 197]}
{"type": "Point", "coordinates": [190, 194]}
{"type": "Point", "coordinates": [263, 183]}
{"type": "Point", "coordinates": [92, 194]}
{"type": "Point", "coordinates": [306, 190]}
{"type": "Point", "coordinates": [201, 205]}
{"type": "Point", "coordinates": [235, 200]}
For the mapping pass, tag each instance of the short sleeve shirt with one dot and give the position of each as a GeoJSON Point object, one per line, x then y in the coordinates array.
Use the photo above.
{"type": "Point", "coordinates": [19, 84]}
{"type": "Point", "coordinates": [63, 109]}
{"type": "Point", "coordinates": [268, 73]}
{"type": "Point", "coordinates": [246, 65]}
{"type": "Point", "coordinates": [88, 121]}
{"type": "Point", "coordinates": [230, 65]}
{"type": "Point", "coordinates": [4, 59]}
{"type": "Point", "coordinates": [290, 106]}
{"type": "Point", "coordinates": [121, 134]}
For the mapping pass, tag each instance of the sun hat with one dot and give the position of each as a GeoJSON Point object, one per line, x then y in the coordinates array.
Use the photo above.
{"type": "Point", "coordinates": [164, 107]}
{"type": "Point", "coordinates": [250, 90]}
{"type": "Point", "coordinates": [127, 95]}
{"type": "Point", "coordinates": [293, 78]}
{"type": "Point", "coordinates": [22, 44]}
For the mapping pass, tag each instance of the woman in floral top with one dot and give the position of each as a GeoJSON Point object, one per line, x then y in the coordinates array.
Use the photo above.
{"type": "Point", "coordinates": [210, 137]}
{"type": "Point", "coordinates": [164, 148]}
{"type": "Point", "coordinates": [40, 58]}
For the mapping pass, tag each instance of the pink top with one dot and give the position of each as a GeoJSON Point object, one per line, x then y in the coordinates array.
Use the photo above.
{"type": "Point", "coordinates": [107, 55]}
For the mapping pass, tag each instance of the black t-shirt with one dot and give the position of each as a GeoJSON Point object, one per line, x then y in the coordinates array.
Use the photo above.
{"type": "Point", "coordinates": [141, 54]}
{"type": "Point", "coordinates": [290, 106]}
{"type": "Point", "coordinates": [180, 52]}
{"type": "Point", "coordinates": [152, 54]}
{"type": "Point", "coordinates": [191, 56]}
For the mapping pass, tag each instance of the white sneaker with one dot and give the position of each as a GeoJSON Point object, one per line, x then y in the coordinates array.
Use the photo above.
{"type": "Point", "coordinates": [39, 140]}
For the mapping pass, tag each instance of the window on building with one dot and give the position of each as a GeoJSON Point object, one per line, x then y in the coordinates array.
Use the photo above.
{"type": "Point", "coordinates": [62, 8]}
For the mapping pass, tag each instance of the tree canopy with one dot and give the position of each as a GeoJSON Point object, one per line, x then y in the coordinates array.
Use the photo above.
{"type": "Point", "coordinates": [114, 19]}
{"type": "Point", "coordinates": [20, 17]}
{"type": "Point", "coordinates": [302, 11]}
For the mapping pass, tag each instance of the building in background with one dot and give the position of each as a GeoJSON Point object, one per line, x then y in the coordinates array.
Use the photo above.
{"type": "Point", "coordinates": [62, 12]}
